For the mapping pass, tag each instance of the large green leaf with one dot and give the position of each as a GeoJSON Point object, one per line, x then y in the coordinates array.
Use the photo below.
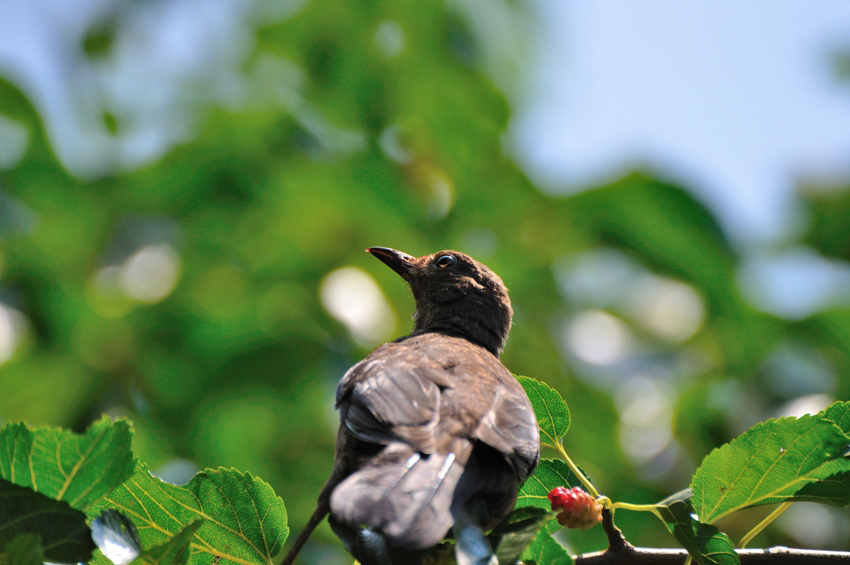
{"type": "Point", "coordinates": [78, 469]}
{"type": "Point", "coordinates": [25, 549]}
{"type": "Point", "coordinates": [552, 413]}
{"type": "Point", "coordinates": [705, 543]}
{"type": "Point", "coordinates": [64, 535]}
{"type": "Point", "coordinates": [839, 412]}
{"type": "Point", "coordinates": [244, 521]}
{"type": "Point", "coordinates": [175, 551]}
{"type": "Point", "coordinates": [550, 473]}
{"type": "Point", "coordinates": [772, 462]}
{"type": "Point", "coordinates": [513, 534]}
{"type": "Point", "coordinates": [534, 491]}
{"type": "Point", "coordinates": [544, 550]}
{"type": "Point", "coordinates": [833, 485]}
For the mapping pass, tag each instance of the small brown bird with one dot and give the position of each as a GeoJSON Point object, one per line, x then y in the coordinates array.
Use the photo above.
{"type": "Point", "coordinates": [435, 433]}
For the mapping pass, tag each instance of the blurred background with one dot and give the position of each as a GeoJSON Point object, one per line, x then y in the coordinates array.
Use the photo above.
{"type": "Point", "coordinates": [186, 190]}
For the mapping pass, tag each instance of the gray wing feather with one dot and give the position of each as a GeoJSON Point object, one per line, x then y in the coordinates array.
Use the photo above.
{"type": "Point", "coordinates": [414, 399]}
{"type": "Point", "coordinates": [403, 494]}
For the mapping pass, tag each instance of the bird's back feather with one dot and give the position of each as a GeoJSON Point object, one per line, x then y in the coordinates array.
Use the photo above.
{"type": "Point", "coordinates": [442, 412]}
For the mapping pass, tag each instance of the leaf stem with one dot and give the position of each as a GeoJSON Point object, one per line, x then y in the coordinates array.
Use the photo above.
{"type": "Point", "coordinates": [763, 524]}
{"type": "Point", "coordinates": [588, 486]}
{"type": "Point", "coordinates": [638, 508]}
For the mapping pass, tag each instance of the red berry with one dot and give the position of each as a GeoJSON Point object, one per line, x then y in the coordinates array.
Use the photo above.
{"type": "Point", "coordinates": [578, 510]}
{"type": "Point", "coordinates": [559, 496]}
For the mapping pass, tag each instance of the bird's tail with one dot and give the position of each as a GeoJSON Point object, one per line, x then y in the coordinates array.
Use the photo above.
{"type": "Point", "coordinates": [403, 494]}
{"type": "Point", "coordinates": [319, 514]}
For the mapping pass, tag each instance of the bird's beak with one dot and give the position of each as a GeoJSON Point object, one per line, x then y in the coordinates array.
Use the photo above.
{"type": "Point", "coordinates": [401, 263]}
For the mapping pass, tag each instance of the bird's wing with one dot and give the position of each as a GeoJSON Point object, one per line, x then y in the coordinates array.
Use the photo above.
{"type": "Point", "coordinates": [393, 395]}
{"type": "Point", "coordinates": [404, 391]}
{"type": "Point", "coordinates": [510, 426]}
{"type": "Point", "coordinates": [483, 395]}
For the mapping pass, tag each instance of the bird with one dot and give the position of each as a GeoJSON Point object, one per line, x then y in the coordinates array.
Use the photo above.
{"type": "Point", "coordinates": [435, 433]}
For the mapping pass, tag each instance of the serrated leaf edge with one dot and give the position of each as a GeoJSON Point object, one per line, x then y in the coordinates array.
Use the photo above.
{"type": "Point", "coordinates": [754, 502]}
{"type": "Point", "coordinates": [203, 545]}
{"type": "Point", "coordinates": [555, 441]}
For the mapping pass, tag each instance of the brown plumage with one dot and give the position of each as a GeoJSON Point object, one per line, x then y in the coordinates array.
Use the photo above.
{"type": "Point", "coordinates": [434, 431]}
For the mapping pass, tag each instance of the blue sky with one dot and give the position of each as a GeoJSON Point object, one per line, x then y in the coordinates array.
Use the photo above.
{"type": "Point", "coordinates": [737, 100]}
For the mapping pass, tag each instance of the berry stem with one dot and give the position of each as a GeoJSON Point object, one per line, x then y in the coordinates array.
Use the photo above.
{"type": "Point", "coordinates": [588, 486]}
{"type": "Point", "coordinates": [638, 508]}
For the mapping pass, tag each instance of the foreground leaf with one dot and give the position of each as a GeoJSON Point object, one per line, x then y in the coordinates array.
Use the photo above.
{"type": "Point", "coordinates": [245, 522]}
{"type": "Point", "coordinates": [25, 549]}
{"type": "Point", "coordinates": [62, 530]}
{"type": "Point", "coordinates": [705, 543]}
{"type": "Point", "coordinates": [839, 412]}
{"type": "Point", "coordinates": [510, 538]}
{"type": "Point", "coordinates": [544, 550]}
{"type": "Point", "coordinates": [771, 462]}
{"type": "Point", "coordinates": [173, 552]}
{"type": "Point", "coordinates": [78, 469]}
{"type": "Point", "coordinates": [833, 486]}
{"type": "Point", "coordinates": [552, 413]}
{"type": "Point", "coordinates": [550, 473]}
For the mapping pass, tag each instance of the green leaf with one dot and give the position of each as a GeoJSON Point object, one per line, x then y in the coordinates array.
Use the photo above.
{"type": "Point", "coordinates": [173, 552]}
{"type": "Point", "coordinates": [552, 413]}
{"type": "Point", "coordinates": [771, 462]}
{"type": "Point", "coordinates": [78, 469]}
{"type": "Point", "coordinates": [705, 543]}
{"type": "Point", "coordinates": [515, 532]}
{"type": "Point", "coordinates": [64, 535]}
{"type": "Point", "coordinates": [833, 486]}
{"type": "Point", "coordinates": [550, 473]}
{"type": "Point", "coordinates": [25, 549]}
{"type": "Point", "coordinates": [245, 522]}
{"type": "Point", "coordinates": [544, 550]}
{"type": "Point", "coordinates": [839, 412]}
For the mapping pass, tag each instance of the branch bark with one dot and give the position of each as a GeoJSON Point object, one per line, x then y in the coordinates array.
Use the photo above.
{"type": "Point", "coordinates": [621, 552]}
{"type": "Point", "coordinates": [616, 540]}
{"type": "Point", "coordinates": [769, 556]}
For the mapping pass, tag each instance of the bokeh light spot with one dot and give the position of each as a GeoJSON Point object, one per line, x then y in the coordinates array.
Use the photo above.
{"type": "Point", "coordinates": [151, 274]}
{"type": "Point", "coordinates": [16, 137]}
{"type": "Point", "coordinates": [794, 284]}
{"type": "Point", "coordinates": [815, 525]}
{"type": "Point", "coordinates": [351, 296]}
{"type": "Point", "coordinates": [14, 327]}
{"type": "Point", "coordinates": [597, 337]}
{"type": "Point", "coordinates": [389, 37]}
{"type": "Point", "coordinates": [105, 295]}
{"type": "Point", "coordinates": [646, 417]}
{"type": "Point", "coordinates": [671, 310]}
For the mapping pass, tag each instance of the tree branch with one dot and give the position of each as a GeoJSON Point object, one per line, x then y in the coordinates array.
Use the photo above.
{"type": "Point", "coordinates": [616, 540]}
{"type": "Point", "coordinates": [769, 556]}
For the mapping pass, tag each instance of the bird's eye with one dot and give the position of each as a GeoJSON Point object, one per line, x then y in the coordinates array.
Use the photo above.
{"type": "Point", "coordinates": [445, 261]}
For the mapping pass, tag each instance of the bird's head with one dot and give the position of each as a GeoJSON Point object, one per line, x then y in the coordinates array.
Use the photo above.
{"type": "Point", "coordinates": [455, 295]}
